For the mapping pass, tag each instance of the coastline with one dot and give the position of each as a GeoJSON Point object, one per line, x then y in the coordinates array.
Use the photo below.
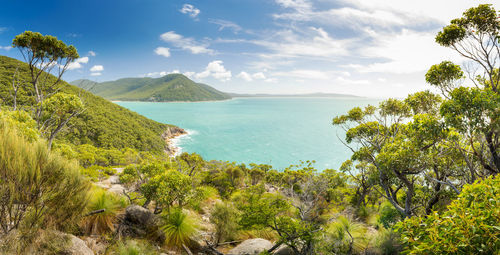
{"type": "Point", "coordinates": [171, 136]}
{"type": "Point", "coordinates": [144, 101]}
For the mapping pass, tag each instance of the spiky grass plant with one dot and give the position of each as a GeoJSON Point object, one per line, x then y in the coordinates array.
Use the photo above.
{"type": "Point", "coordinates": [347, 236]}
{"type": "Point", "coordinates": [102, 222]}
{"type": "Point", "coordinates": [179, 228]}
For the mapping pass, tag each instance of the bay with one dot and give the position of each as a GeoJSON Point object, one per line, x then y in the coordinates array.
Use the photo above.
{"type": "Point", "coordinates": [280, 131]}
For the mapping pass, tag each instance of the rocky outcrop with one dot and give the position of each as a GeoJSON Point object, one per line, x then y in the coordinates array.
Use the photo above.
{"type": "Point", "coordinates": [251, 247]}
{"type": "Point", "coordinates": [138, 222]}
{"type": "Point", "coordinates": [168, 135]}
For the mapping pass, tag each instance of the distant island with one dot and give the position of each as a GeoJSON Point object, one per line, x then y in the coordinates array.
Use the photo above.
{"type": "Point", "coordinates": [169, 88]}
{"type": "Point", "coordinates": [319, 94]}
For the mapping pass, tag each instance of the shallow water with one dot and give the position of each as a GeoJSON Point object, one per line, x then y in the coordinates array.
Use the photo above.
{"type": "Point", "coordinates": [276, 131]}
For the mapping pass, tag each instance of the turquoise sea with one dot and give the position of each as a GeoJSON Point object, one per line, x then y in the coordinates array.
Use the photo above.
{"type": "Point", "coordinates": [276, 131]}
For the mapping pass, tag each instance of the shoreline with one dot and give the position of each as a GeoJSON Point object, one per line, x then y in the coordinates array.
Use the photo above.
{"type": "Point", "coordinates": [171, 136]}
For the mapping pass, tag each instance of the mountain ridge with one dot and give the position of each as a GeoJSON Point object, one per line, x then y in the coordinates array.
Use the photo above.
{"type": "Point", "coordinates": [168, 88]}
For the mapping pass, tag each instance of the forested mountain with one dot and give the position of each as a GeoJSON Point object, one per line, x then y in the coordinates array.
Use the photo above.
{"type": "Point", "coordinates": [102, 123]}
{"type": "Point", "coordinates": [172, 87]}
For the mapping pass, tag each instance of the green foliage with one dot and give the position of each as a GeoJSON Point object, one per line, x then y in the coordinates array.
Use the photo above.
{"type": "Point", "coordinates": [345, 237]}
{"type": "Point", "coordinates": [388, 215]}
{"type": "Point", "coordinates": [47, 242]}
{"type": "Point", "coordinates": [443, 75]}
{"type": "Point", "coordinates": [470, 109]}
{"type": "Point", "coordinates": [172, 87]}
{"type": "Point", "coordinates": [21, 121]}
{"type": "Point", "coordinates": [167, 188]}
{"type": "Point", "coordinates": [97, 173]}
{"type": "Point", "coordinates": [102, 222]}
{"type": "Point", "coordinates": [102, 124]}
{"type": "Point", "coordinates": [225, 219]}
{"type": "Point", "coordinates": [38, 188]}
{"type": "Point", "coordinates": [470, 226]}
{"type": "Point", "coordinates": [179, 228]}
{"type": "Point", "coordinates": [134, 247]}
{"type": "Point", "coordinates": [44, 47]}
{"type": "Point", "coordinates": [201, 194]}
{"type": "Point", "coordinates": [387, 242]}
{"type": "Point", "coordinates": [258, 208]}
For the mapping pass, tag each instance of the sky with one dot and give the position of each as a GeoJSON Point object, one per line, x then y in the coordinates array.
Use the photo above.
{"type": "Point", "coordinates": [372, 48]}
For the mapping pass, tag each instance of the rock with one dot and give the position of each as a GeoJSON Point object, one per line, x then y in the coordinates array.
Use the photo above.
{"type": "Point", "coordinates": [45, 242]}
{"type": "Point", "coordinates": [77, 246]}
{"type": "Point", "coordinates": [283, 250]}
{"type": "Point", "coordinates": [139, 222]}
{"type": "Point", "coordinates": [251, 247]}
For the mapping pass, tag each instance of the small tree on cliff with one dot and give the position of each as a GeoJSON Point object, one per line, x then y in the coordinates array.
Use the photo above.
{"type": "Point", "coordinates": [46, 55]}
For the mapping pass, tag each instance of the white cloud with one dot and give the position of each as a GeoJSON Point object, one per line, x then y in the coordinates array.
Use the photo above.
{"type": "Point", "coordinates": [3, 29]}
{"type": "Point", "coordinates": [250, 77]}
{"type": "Point", "coordinates": [215, 69]}
{"type": "Point", "coordinates": [316, 43]}
{"type": "Point", "coordinates": [97, 68]}
{"type": "Point", "coordinates": [443, 11]}
{"type": "Point", "coordinates": [92, 53]}
{"type": "Point", "coordinates": [406, 52]}
{"type": "Point", "coordinates": [190, 10]}
{"type": "Point", "coordinates": [78, 63]}
{"type": "Point", "coordinates": [95, 74]}
{"type": "Point", "coordinates": [226, 24]}
{"type": "Point", "coordinates": [162, 51]}
{"type": "Point", "coordinates": [5, 47]}
{"type": "Point", "coordinates": [259, 76]}
{"type": "Point", "coordinates": [159, 74]}
{"type": "Point", "coordinates": [185, 43]}
{"type": "Point", "coordinates": [245, 76]}
{"type": "Point", "coordinates": [305, 74]}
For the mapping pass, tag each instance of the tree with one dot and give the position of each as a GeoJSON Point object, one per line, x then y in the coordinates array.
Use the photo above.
{"type": "Point", "coordinates": [473, 111]}
{"type": "Point", "coordinates": [46, 55]}
{"type": "Point", "coordinates": [58, 110]}
{"type": "Point", "coordinates": [403, 142]}
{"type": "Point", "coordinates": [424, 147]}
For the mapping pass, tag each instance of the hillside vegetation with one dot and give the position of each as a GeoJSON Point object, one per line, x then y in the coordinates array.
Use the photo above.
{"type": "Point", "coordinates": [102, 123]}
{"type": "Point", "coordinates": [172, 87]}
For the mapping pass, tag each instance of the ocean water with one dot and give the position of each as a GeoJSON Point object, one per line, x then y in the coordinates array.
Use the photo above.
{"type": "Point", "coordinates": [275, 131]}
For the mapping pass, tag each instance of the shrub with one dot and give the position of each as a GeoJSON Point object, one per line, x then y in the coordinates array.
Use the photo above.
{"type": "Point", "coordinates": [225, 218]}
{"type": "Point", "coordinates": [388, 215]}
{"type": "Point", "coordinates": [38, 188]}
{"type": "Point", "coordinates": [387, 242]}
{"type": "Point", "coordinates": [470, 226]}
{"type": "Point", "coordinates": [96, 173]}
{"type": "Point", "coordinates": [103, 222]}
{"type": "Point", "coordinates": [134, 247]}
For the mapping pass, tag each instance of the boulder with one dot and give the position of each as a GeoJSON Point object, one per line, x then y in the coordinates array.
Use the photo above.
{"type": "Point", "coordinates": [46, 242]}
{"type": "Point", "coordinates": [251, 247]}
{"type": "Point", "coordinates": [283, 250]}
{"type": "Point", "coordinates": [139, 222]}
{"type": "Point", "coordinates": [77, 246]}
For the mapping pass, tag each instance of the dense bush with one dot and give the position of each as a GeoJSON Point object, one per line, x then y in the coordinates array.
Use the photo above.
{"type": "Point", "coordinates": [38, 188]}
{"type": "Point", "coordinates": [470, 226]}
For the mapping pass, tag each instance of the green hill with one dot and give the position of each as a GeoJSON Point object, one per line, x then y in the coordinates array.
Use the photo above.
{"type": "Point", "coordinates": [172, 87]}
{"type": "Point", "coordinates": [103, 123]}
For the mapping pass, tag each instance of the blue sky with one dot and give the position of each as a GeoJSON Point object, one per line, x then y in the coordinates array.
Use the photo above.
{"type": "Point", "coordinates": [377, 48]}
